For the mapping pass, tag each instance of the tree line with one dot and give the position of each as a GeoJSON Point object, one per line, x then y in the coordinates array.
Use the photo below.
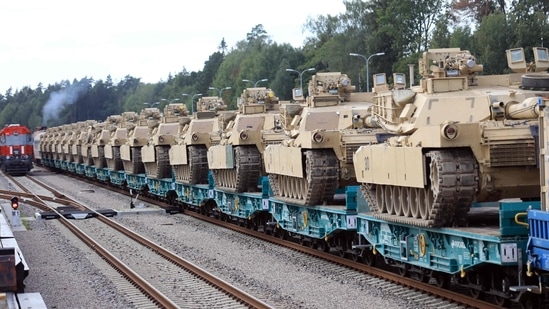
{"type": "Point", "coordinates": [399, 29]}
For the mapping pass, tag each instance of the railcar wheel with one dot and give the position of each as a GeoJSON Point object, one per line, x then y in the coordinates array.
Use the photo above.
{"type": "Point", "coordinates": [402, 269]}
{"type": "Point", "coordinates": [323, 246]}
{"type": "Point", "coordinates": [442, 280]}
{"type": "Point", "coordinates": [281, 233]}
{"type": "Point", "coordinates": [476, 294]}
{"type": "Point", "coordinates": [501, 283]}
{"type": "Point", "coordinates": [369, 258]}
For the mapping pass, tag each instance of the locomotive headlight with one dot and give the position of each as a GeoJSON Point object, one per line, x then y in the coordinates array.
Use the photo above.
{"type": "Point", "coordinates": [450, 131]}
{"type": "Point", "coordinates": [317, 137]}
{"type": "Point", "coordinates": [194, 137]}
{"type": "Point", "coordinates": [25, 156]}
{"type": "Point", "coordinates": [243, 135]}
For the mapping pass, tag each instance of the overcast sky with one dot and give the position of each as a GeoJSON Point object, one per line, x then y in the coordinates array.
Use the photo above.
{"type": "Point", "coordinates": [51, 41]}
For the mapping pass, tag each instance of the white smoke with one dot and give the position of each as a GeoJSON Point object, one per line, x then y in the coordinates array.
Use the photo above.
{"type": "Point", "coordinates": [59, 99]}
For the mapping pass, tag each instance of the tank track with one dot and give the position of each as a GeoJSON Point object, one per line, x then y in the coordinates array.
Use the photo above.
{"type": "Point", "coordinates": [196, 172]}
{"type": "Point", "coordinates": [453, 182]}
{"type": "Point", "coordinates": [317, 187]}
{"type": "Point", "coordinates": [135, 166]}
{"type": "Point", "coordinates": [117, 159]}
{"type": "Point", "coordinates": [163, 167]}
{"type": "Point", "coordinates": [245, 175]}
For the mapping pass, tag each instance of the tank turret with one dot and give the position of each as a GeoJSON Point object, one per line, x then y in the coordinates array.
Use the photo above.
{"type": "Point", "coordinates": [321, 134]}
{"type": "Point", "coordinates": [455, 139]}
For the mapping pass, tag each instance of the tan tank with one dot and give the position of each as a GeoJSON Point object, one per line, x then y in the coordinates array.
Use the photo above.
{"type": "Point", "coordinates": [457, 138]}
{"type": "Point", "coordinates": [188, 156]}
{"type": "Point", "coordinates": [118, 138]}
{"type": "Point", "coordinates": [103, 138]}
{"type": "Point", "coordinates": [156, 152]}
{"type": "Point", "coordinates": [316, 158]}
{"type": "Point", "coordinates": [80, 136]}
{"type": "Point", "coordinates": [236, 163]}
{"type": "Point", "coordinates": [71, 139]}
{"type": "Point", "coordinates": [90, 152]}
{"type": "Point", "coordinates": [130, 153]}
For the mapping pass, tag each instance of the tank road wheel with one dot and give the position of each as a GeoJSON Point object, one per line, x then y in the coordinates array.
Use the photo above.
{"type": "Point", "coordinates": [380, 198]}
{"type": "Point", "coordinates": [414, 206]}
{"type": "Point", "coordinates": [389, 199]}
{"type": "Point", "coordinates": [397, 200]}
{"type": "Point", "coordinates": [406, 201]}
{"type": "Point", "coordinates": [422, 206]}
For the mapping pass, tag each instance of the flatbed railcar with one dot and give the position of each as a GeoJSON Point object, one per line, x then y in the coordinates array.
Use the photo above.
{"type": "Point", "coordinates": [489, 256]}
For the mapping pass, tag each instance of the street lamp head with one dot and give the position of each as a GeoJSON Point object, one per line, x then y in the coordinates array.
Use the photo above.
{"type": "Point", "coordinates": [212, 88]}
{"type": "Point", "coordinates": [380, 54]}
{"type": "Point", "coordinates": [355, 55]}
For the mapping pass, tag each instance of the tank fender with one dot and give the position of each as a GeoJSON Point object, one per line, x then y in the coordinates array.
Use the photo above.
{"type": "Point", "coordinates": [283, 160]}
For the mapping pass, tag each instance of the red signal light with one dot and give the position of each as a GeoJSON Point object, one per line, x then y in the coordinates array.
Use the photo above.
{"type": "Point", "coordinates": [15, 202]}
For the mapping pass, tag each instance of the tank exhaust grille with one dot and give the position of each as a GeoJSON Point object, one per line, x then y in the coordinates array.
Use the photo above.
{"type": "Point", "coordinates": [521, 153]}
{"type": "Point", "coordinates": [350, 149]}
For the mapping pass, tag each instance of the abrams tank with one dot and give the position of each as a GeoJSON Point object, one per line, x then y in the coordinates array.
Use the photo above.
{"type": "Point", "coordinates": [316, 156]}
{"type": "Point", "coordinates": [130, 152]}
{"type": "Point", "coordinates": [118, 138]}
{"type": "Point", "coordinates": [188, 156]}
{"type": "Point", "coordinates": [80, 139]}
{"type": "Point", "coordinates": [236, 163]}
{"type": "Point", "coordinates": [457, 138]}
{"type": "Point", "coordinates": [156, 152]}
{"type": "Point", "coordinates": [102, 139]}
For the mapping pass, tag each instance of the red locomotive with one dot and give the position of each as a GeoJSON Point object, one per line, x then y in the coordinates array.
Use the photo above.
{"type": "Point", "coordinates": [16, 149]}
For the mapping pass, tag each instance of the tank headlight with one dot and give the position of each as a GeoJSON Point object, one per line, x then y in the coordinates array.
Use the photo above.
{"type": "Point", "coordinates": [161, 139]}
{"type": "Point", "coordinates": [135, 141]}
{"type": "Point", "coordinates": [317, 137]}
{"type": "Point", "coordinates": [450, 131]}
{"type": "Point", "coordinates": [243, 136]}
{"type": "Point", "coordinates": [194, 137]}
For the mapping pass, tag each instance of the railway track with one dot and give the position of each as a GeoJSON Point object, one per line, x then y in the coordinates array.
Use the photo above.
{"type": "Point", "coordinates": [198, 284]}
{"type": "Point", "coordinates": [432, 293]}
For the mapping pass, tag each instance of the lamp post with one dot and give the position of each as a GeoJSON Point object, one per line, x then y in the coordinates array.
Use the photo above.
{"type": "Point", "coordinates": [170, 101]}
{"type": "Point", "coordinates": [300, 76]}
{"type": "Point", "coordinates": [254, 83]}
{"type": "Point", "coordinates": [151, 105]}
{"type": "Point", "coordinates": [220, 90]}
{"type": "Point", "coordinates": [367, 66]}
{"type": "Point", "coordinates": [192, 100]}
